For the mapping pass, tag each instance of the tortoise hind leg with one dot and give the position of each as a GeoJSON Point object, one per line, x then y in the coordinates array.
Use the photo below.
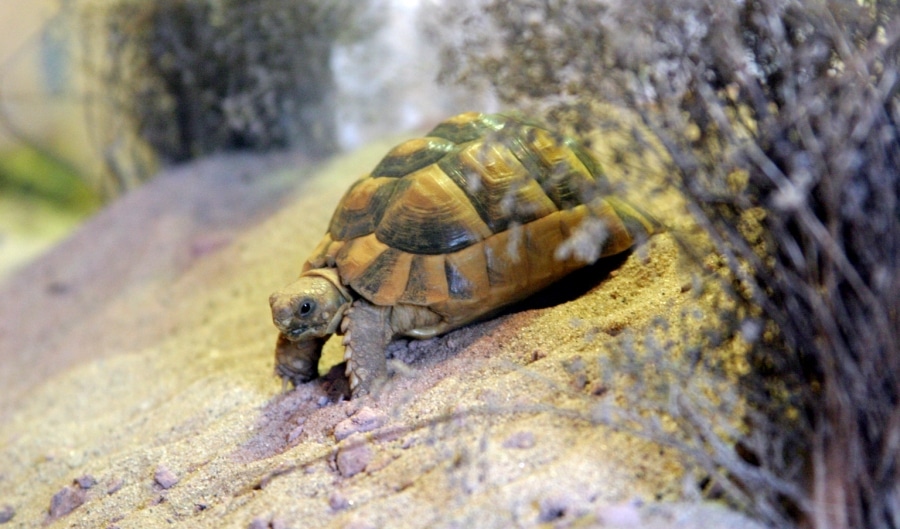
{"type": "Point", "coordinates": [367, 333]}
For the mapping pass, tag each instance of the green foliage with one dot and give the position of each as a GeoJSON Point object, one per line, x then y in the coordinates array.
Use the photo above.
{"type": "Point", "coordinates": [30, 173]}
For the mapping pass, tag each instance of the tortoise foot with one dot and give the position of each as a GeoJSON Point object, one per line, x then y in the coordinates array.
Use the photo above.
{"type": "Point", "coordinates": [365, 339]}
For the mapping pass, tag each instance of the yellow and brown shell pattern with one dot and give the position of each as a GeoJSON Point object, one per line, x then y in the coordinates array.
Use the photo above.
{"type": "Point", "coordinates": [471, 218]}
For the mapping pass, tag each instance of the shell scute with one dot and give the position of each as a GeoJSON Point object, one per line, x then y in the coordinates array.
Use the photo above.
{"type": "Point", "coordinates": [357, 255]}
{"type": "Point", "coordinates": [431, 215]}
{"type": "Point", "coordinates": [324, 254]}
{"type": "Point", "coordinates": [427, 283]}
{"type": "Point", "coordinates": [384, 281]}
{"type": "Point", "coordinates": [565, 176]}
{"type": "Point", "coordinates": [619, 238]}
{"type": "Point", "coordinates": [412, 155]}
{"type": "Point", "coordinates": [362, 207]}
{"type": "Point", "coordinates": [502, 255]}
{"type": "Point", "coordinates": [500, 187]}
{"type": "Point", "coordinates": [541, 235]}
{"type": "Point", "coordinates": [466, 272]}
{"type": "Point", "coordinates": [469, 126]}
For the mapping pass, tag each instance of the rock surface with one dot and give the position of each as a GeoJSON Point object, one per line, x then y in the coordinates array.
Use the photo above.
{"type": "Point", "coordinates": [139, 352]}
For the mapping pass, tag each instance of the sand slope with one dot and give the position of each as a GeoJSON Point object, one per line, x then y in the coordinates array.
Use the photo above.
{"type": "Point", "coordinates": [138, 388]}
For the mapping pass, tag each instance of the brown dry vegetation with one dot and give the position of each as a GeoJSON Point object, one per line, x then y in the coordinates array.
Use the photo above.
{"type": "Point", "coordinates": [779, 121]}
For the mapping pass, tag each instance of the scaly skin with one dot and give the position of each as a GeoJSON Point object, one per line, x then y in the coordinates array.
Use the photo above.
{"type": "Point", "coordinates": [297, 362]}
{"type": "Point", "coordinates": [306, 312]}
{"type": "Point", "coordinates": [367, 333]}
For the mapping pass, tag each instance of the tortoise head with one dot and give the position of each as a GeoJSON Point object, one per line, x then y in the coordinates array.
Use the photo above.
{"type": "Point", "coordinates": [311, 307]}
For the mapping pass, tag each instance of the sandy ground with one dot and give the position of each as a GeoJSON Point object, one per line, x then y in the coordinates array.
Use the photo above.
{"type": "Point", "coordinates": [138, 390]}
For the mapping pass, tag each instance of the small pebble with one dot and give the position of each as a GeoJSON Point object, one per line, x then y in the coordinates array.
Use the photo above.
{"type": "Point", "coordinates": [536, 355]}
{"type": "Point", "coordinates": [553, 508]}
{"type": "Point", "coordinates": [86, 481]}
{"type": "Point", "coordinates": [626, 514]}
{"type": "Point", "coordinates": [353, 459]}
{"type": "Point", "coordinates": [574, 365]}
{"type": "Point", "coordinates": [598, 389]}
{"type": "Point", "coordinates": [6, 513]}
{"type": "Point", "coordinates": [65, 501]}
{"type": "Point", "coordinates": [295, 433]}
{"type": "Point", "coordinates": [365, 420]}
{"type": "Point", "coordinates": [115, 486]}
{"type": "Point", "coordinates": [259, 523]}
{"type": "Point", "coordinates": [338, 501]}
{"type": "Point", "coordinates": [522, 440]}
{"type": "Point", "coordinates": [164, 477]}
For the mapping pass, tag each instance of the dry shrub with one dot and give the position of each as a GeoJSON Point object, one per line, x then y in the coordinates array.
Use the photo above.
{"type": "Point", "coordinates": [780, 123]}
{"type": "Point", "coordinates": [192, 77]}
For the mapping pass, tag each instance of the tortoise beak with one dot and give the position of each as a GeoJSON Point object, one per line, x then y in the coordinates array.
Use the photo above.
{"type": "Point", "coordinates": [284, 316]}
{"type": "Point", "coordinates": [290, 327]}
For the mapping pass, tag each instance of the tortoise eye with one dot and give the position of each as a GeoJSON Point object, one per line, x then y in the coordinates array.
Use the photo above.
{"type": "Point", "coordinates": [306, 308]}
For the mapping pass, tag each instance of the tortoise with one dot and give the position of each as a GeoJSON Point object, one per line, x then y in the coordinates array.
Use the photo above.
{"type": "Point", "coordinates": [446, 230]}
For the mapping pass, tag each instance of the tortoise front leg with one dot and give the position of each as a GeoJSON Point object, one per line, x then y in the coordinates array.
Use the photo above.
{"type": "Point", "coordinates": [297, 362]}
{"type": "Point", "coordinates": [367, 333]}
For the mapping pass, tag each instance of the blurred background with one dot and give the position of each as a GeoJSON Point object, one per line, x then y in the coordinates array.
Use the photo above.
{"type": "Point", "coordinates": [45, 154]}
{"type": "Point", "coordinates": [96, 96]}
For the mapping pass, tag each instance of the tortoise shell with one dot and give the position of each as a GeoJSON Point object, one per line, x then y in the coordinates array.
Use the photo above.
{"type": "Point", "coordinates": [470, 218]}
